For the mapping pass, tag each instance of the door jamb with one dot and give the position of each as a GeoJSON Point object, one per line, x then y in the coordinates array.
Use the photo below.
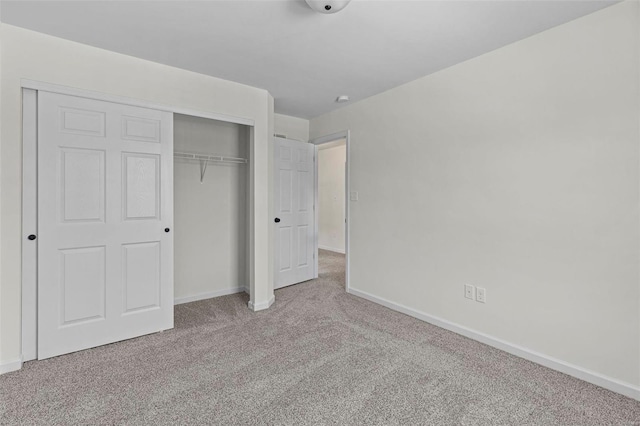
{"type": "Point", "coordinates": [346, 135]}
{"type": "Point", "coordinates": [29, 324]}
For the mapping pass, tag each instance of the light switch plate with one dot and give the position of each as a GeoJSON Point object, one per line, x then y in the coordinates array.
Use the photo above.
{"type": "Point", "coordinates": [353, 196]}
{"type": "Point", "coordinates": [481, 295]}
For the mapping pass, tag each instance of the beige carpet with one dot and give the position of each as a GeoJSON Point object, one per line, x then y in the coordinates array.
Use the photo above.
{"type": "Point", "coordinates": [318, 356]}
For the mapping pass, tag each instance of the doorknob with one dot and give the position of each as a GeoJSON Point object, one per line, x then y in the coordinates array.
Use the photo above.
{"type": "Point", "coordinates": [31, 237]}
{"type": "Point", "coordinates": [167, 229]}
{"type": "Point", "coordinates": [277, 220]}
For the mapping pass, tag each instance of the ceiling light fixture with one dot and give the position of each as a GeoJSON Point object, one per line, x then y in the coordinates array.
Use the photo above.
{"type": "Point", "coordinates": [327, 6]}
{"type": "Point", "coordinates": [342, 98]}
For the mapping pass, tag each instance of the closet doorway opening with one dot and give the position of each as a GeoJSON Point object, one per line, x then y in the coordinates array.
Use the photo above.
{"type": "Point", "coordinates": [211, 204]}
{"type": "Point", "coordinates": [105, 217]}
{"type": "Point", "coordinates": [332, 197]}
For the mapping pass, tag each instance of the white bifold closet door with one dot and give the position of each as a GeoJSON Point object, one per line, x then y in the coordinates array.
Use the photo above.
{"type": "Point", "coordinates": [105, 213]}
{"type": "Point", "coordinates": [294, 208]}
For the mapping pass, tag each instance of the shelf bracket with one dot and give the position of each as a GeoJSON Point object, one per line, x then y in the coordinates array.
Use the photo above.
{"type": "Point", "coordinates": [203, 169]}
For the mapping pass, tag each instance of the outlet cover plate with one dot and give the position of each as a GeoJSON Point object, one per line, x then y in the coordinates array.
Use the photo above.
{"type": "Point", "coordinates": [469, 291]}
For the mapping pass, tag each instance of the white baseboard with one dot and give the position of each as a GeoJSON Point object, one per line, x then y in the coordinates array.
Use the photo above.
{"type": "Point", "coordinates": [626, 389]}
{"type": "Point", "coordinates": [9, 366]}
{"type": "Point", "coordinates": [336, 250]}
{"type": "Point", "coordinates": [261, 306]}
{"type": "Point", "coordinates": [208, 295]}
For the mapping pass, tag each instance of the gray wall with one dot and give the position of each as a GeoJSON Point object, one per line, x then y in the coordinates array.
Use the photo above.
{"type": "Point", "coordinates": [292, 127]}
{"type": "Point", "coordinates": [516, 171]}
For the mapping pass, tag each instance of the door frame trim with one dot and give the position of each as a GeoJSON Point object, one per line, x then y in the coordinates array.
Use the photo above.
{"type": "Point", "coordinates": [29, 287]}
{"type": "Point", "coordinates": [89, 94]}
{"type": "Point", "coordinates": [29, 282]}
{"type": "Point", "coordinates": [346, 135]}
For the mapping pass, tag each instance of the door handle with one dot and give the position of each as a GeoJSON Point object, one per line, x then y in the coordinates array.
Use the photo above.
{"type": "Point", "coordinates": [167, 229]}
{"type": "Point", "coordinates": [31, 237]}
{"type": "Point", "coordinates": [277, 220]}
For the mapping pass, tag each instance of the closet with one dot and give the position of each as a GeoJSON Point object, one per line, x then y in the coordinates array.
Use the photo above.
{"type": "Point", "coordinates": [127, 210]}
{"type": "Point", "coordinates": [211, 174]}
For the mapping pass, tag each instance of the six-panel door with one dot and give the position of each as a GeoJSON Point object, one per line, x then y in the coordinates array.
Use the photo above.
{"type": "Point", "coordinates": [294, 198]}
{"type": "Point", "coordinates": [105, 262]}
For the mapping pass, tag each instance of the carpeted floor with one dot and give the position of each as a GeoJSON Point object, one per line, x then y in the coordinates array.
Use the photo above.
{"type": "Point", "coordinates": [318, 356]}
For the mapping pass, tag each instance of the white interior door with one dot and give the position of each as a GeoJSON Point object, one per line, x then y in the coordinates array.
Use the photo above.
{"type": "Point", "coordinates": [294, 208]}
{"type": "Point", "coordinates": [105, 197]}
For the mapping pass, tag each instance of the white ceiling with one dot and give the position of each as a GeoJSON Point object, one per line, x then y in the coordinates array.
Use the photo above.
{"type": "Point", "coordinates": [303, 58]}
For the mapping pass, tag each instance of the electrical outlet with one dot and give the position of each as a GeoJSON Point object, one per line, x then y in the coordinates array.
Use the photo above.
{"type": "Point", "coordinates": [469, 291]}
{"type": "Point", "coordinates": [481, 295]}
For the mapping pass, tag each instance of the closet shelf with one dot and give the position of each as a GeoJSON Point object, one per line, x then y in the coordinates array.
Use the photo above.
{"type": "Point", "coordinates": [204, 160]}
{"type": "Point", "coordinates": [206, 157]}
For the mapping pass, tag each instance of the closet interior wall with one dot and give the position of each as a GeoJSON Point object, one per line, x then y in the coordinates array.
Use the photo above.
{"type": "Point", "coordinates": [211, 224]}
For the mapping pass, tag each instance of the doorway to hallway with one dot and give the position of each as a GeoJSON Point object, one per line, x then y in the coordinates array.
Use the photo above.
{"type": "Point", "coordinates": [332, 197]}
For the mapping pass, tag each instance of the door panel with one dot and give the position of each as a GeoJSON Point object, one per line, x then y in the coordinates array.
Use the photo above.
{"type": "Point", "coordinates": [141, 129]}
{"type": "Point", "coordinates": [142, 271]}
{"type": "Point", "coordinates": [303, 239]}
{"type": "Point", "coordinates": [285, 235]}
{"type": "Point", "coordinates": [105, 182]}
{"type": "Point", "coordinates": [294, 180]}
{"type": "Point", "coordinates": [82, 185]}
{"type": "Point", "coordinates": [286, 188]}
{"type": "Point", "coordinates": [82, 121]}
{"type": "Point", "coordinates": [303, 189]}
{"type": "Point", "coordinates": [141, 177]}
{"type": "Point", "coordinates": [83, 281]}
